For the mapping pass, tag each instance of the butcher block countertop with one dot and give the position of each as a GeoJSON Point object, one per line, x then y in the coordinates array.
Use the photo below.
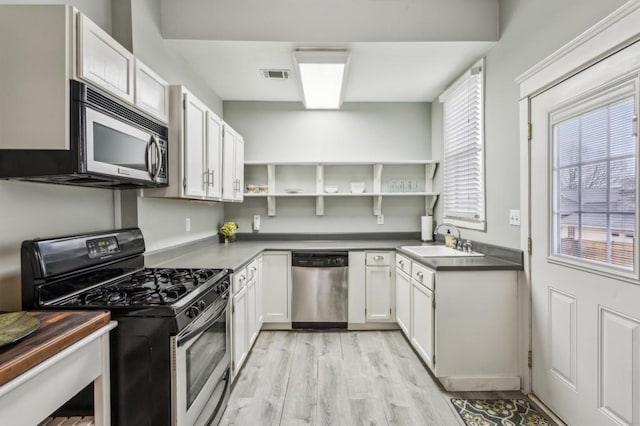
{"type": "Point", "coordinates": [58, 330]}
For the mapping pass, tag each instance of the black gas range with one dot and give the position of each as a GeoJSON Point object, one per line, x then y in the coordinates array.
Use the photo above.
{"type": "Point", "coordinates": [170, 352]}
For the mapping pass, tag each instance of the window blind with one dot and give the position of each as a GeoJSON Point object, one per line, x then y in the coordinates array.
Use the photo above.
{"type": "Point", "coordinates": [463, 191]}
{"type": "Point", "coordinates": [595, 184]}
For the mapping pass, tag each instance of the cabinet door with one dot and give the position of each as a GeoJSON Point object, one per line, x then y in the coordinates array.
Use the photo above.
{"type": "Point", "coordinates": [228, 164]}
{"type": "Point", "coordinates": [102, 61]}
{"type": "Point", "coordinates": [151, 92]}
{"type": "Point", "coordinates": [239, 339]}
{"type": "Point", "coordinates": [251, 312]}
{"type": "Point", "coordinates": [277, 286]}
{"type": "Point", "coordinates": [238, 169]}
{"type": "Point", "coordinates": [422, 314]}
{"type": "Point", "coordinates": [195, 138]}
{"type": "Point", "coordinates": [259, 297]}
{"type": "Point", "coordinates": [379, 294]}
{"type": "Point", "coordinates": [214, 156]}
{"type": "Point", "coordinates": [403, 302]}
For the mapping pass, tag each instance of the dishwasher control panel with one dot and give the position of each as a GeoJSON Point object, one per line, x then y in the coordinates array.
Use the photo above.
{"type": "Point", "coordinates": [320, 259]}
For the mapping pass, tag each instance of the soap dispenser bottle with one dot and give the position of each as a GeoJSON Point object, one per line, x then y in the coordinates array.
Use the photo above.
{"type": "Point", "coordinates": [448, 238]}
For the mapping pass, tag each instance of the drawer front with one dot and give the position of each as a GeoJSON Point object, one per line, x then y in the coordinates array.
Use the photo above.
{"type": "Point", "coordinates": [403, 264]}
{"type": "Point", "coordinates": [378, 258]}
{"type": "Point", "coordinates": [240, 280]}
{"type": "Point", "coordinates": [423, 275]}
{"type": "Point", "coordinates": [252, 270]}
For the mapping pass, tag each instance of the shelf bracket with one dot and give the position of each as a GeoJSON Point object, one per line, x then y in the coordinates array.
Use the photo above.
{"type": "Point", "coordinates": [431, 201]}
{"type": "Point", "coordinates": [320, 205]}
{"type": "Point", "coordinates": [271, 206]}
{"type": "Point", "coordinates": [377, 205]}
{"type": "Point", "coordinates": [377, 178]}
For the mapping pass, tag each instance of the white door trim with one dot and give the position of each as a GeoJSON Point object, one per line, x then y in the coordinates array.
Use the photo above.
{"type": "Point", "coordinates": [613, 33]}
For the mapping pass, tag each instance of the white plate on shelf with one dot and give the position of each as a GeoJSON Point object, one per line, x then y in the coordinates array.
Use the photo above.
{"type": "Point", "coordinates": [293, 190]}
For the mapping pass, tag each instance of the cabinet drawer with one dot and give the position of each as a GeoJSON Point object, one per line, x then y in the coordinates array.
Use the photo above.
{"type": "Point", "coordinates": [240, 280]}
{"type": "Point", "coordinates": [403, 264]}
{"type": "Point", "coordinates": [252, 270]}
{"type": "Point", "coordinates": [378, 258]}
{"type": "Point", "coordinates": [423, 275]}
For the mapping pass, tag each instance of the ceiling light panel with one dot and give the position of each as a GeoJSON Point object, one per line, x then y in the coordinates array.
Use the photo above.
{"type": "Point", "coordinates": [322, 76]}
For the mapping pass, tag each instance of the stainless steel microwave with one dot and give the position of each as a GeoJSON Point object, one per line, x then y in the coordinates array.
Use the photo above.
{"type": "Point", "coordinates": [112, 146]}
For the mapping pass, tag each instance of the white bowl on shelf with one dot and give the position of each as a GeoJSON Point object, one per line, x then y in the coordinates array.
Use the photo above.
{"type": "Point", "coordinates": [357, 187]}
{"type": "Point", "coordinates": [330, 189]}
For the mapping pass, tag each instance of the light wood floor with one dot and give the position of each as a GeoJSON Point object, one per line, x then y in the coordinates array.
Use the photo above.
{"type": "Point", "coordinates": [340, 378]}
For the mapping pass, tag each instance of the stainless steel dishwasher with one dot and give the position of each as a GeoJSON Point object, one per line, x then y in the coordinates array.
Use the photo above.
{"type": "Point", "coordinates": [319, 289]}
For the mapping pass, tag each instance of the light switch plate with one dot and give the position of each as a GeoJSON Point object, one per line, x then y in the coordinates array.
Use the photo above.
{"type": "Point", "coordinates": [256, 222]}
{"type": "Point", "coordinates": [514, 217]}
{"type": "Point", "coordinates": [187, 225]}
{"type": "Point", "coordinates": [380, 219]}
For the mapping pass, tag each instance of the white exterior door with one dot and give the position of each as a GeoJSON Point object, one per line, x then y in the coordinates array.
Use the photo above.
{"type": "Point", "coordinates": [584, 262]}
{"type": "Point", "coordinates": [195, 139]}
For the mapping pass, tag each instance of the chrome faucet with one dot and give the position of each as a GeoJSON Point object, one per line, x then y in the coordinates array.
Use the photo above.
{"type": "Point", "coordinates": [449, 227]}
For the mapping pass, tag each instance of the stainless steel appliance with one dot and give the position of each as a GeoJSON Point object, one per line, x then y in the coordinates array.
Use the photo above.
{"type": "Point", "coordinates": [319, 289]}
{"type": "Point", "coordinates": [112, 146]}
{"type": "Point", "coordinates": [170, 356]}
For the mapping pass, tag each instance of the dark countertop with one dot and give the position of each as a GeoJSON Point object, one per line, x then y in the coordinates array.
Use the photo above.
{"type": "Point", "coordinates": [211, 254]}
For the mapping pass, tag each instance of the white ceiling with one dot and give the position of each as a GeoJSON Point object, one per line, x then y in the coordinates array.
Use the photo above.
{"type": "Point", "coordinates": [401, 50]}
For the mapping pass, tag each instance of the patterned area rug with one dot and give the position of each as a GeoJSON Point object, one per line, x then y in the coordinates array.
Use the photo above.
{"type": "Point", "coordinates": [499, 412]}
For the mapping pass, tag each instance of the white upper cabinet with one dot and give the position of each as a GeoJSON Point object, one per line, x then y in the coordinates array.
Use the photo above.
{"type": "Point", "coordinates": [104, 62]}
{"type": "Point", "coordinates": [151, 92]}
{"type": "Point", "coordinates": [214, 156]}
{"type": "Point", "coordinates": [195, 141]}
{"type": "Point", "coordinates": [232, 165]}
{"type": "Point", "coordinates": [195, 150]}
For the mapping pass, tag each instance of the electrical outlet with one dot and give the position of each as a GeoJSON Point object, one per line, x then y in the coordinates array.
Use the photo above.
{"type": "Point", "coordinates": [514, 217]}
{"type": "Point", "coordinates": [256, 222]}
{"type": "Point", "coordinates": [380, 219]}
{"type": "Point", "coordinates": [187, 224]}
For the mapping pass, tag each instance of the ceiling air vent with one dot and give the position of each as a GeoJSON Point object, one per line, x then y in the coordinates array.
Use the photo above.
{"type": "Point", "coordinates": [276, 74]}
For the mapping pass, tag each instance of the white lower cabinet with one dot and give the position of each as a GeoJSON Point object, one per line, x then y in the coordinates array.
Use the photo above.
{"type": "Point", "coordinates": [463, 324]}
{"type": "Point", "coordinates": [252, 325]}
{"type": "Point", "coordinates": [276, 286]}
{"type": "Point", "coordinates": [259, 296]}
{"type": "Point", "coordinates": [246, 311]}
{"type": "Point", "coordinates": [380, 292]}
{"type": "Point", "coordinates": [422, 315]}
{"type": "Point", "coordinates": [403, 302]}
{"type": "Point", "coordinates": [239, 343]}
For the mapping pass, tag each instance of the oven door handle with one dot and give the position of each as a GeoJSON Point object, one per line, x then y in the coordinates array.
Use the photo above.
{"type": "Point", "coordinates": [190, 333]}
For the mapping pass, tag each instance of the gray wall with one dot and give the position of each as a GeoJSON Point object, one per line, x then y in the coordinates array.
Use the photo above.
{"type": "Point", "coordinates": [163, 221]}
{"type": "Point", "coordinates": [530, 31]}
{"type": "Point", "coordinates": [31, 210]}
{"type": "Point", "coordinates": [285, 131]}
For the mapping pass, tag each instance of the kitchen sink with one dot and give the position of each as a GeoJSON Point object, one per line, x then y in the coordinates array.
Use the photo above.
{"type": "Point", "coordinates": [439, 251]}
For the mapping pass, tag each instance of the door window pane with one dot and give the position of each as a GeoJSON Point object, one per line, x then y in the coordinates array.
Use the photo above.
{"type": "Point", "coordinates": [594, 183]}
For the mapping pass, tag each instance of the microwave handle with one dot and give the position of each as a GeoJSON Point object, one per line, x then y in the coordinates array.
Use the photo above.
{"type": "Point", "coordinates": [159, 157]}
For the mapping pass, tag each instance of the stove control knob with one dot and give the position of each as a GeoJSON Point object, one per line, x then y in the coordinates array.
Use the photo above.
{"type": "Point", "coordinates": [202, 305]}
{"type": "Point", "coordinates": [193, 312]}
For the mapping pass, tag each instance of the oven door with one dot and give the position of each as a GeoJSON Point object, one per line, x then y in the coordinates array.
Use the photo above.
{"type": "Point", "coordinates": [200, 369]}
{"type": "Point", "coordinates": [116, 148]}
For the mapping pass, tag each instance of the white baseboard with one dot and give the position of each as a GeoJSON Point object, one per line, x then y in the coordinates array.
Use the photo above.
{"type": "Point", "coordinates": [481, 383]}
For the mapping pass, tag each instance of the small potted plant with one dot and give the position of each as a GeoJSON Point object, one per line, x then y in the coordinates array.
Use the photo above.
{"type": "Point", "coordinates": [228, 232]}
